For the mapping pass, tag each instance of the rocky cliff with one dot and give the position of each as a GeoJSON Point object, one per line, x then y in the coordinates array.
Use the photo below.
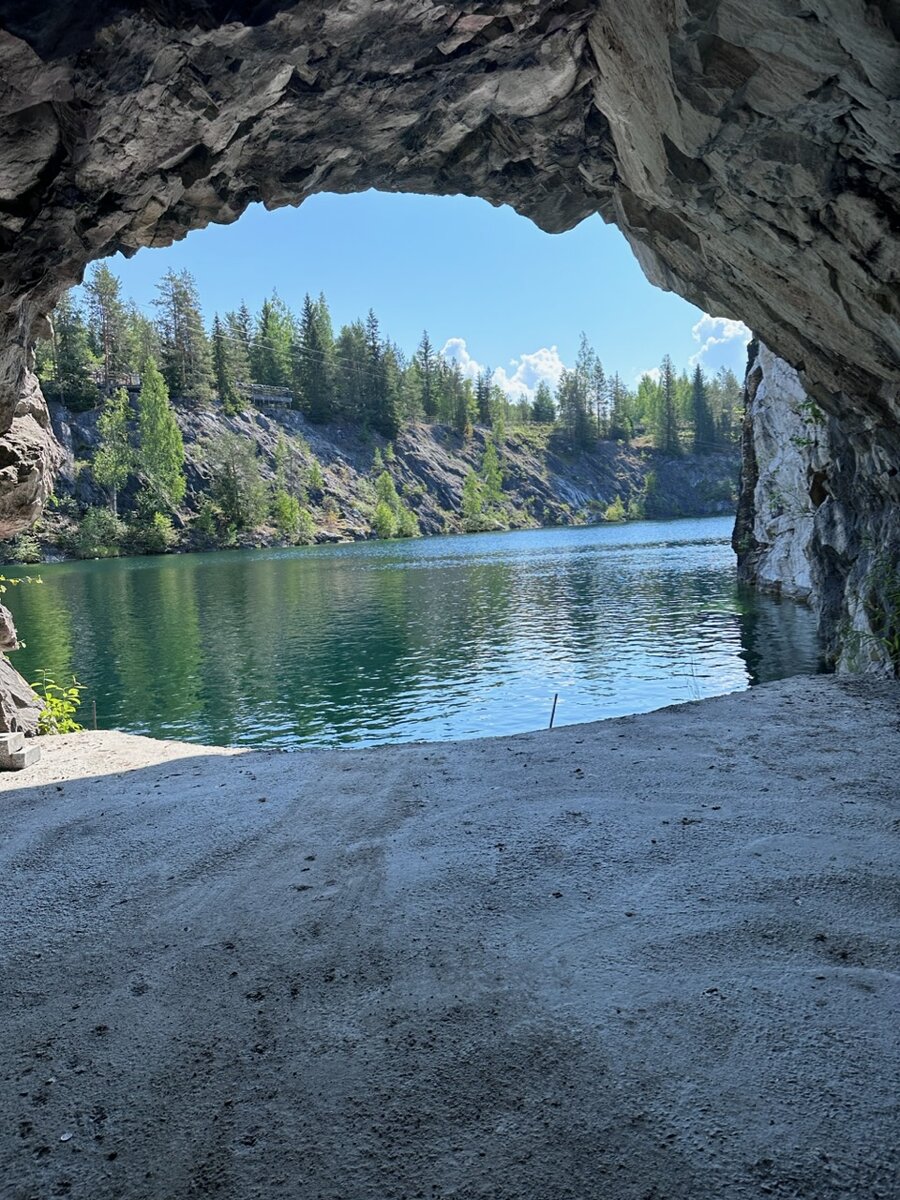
{"type": "Point", "coordinates": [819, 516]}
{"type": "Point", "coordinates": [746, 151]}
{"type": "Point", "coordinates": [545, 480]}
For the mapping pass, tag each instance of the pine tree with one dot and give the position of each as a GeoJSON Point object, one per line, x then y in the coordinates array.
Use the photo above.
{"type": "Point", "coordinates": [223, 368]}
{"type": "Point", "coordinates": [621, 425]}
{"type": "Point", "coordinates": [380, 382]}
{"type": "Point", "coordinates": [704, 426]}
{"type": "Point", "coordinates": [108, 322]}
{"type": "Point", "coordinates": [186, 359]}
{"type": "Point", "coordinates": [314, 361]}
{"type": "Point", "coordinates": [492, 474]}
{"type": "Point", "coordinates": [272, 348]}
{"type": "Point", "coordinates": [72, 364]}
{"type": "Point", "coordinates": [483, 397]}
{"type": "Point", "coordinates": [666, 432]}
{"type": "Point", "coordinates": [160, 453]}
{"type": "Point", "coordinates": [543, 410]}
{"type": "Point", "coordinates": [600, 397]}
{"type": "Point", "coordinates": [427, 369]}
{"type": "Point", "coordinates": [114, 458]}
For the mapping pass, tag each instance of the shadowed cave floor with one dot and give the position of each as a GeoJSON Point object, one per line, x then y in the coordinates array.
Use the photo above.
{"type": "Point", "coordinates": [651, 958]}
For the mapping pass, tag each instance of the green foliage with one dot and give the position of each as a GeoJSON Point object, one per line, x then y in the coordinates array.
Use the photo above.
{"type": "Point", "coordinates": [473, 514]}
{"type": "Point", "coordinates": [315, 480]}
{"type": "Point", "coordinates": [237, 485]}
{"type": "Point", "coordinates": [60, 704]}
{"type": "Point", "coordinates": [384, 522]}
{"type": "Point", "coordinates": [206, 522]}
{"type": "Point", "coordinates": [492, 474]}
{"type": "Point", "coordinates": [184, 346]}
{"type": "Point", "coordinates": [377, 462]}
{"type": "Point", "coordinates": [306, 528]}
{"type": "Point", "coordinates": [391, 517]}
{"type": "Point", "coordinates": [100, 534]}
{"type": "Point", "coordinates": [616, 511]}
{"type": "Point", "coordinates": [114, 459]}
{"type": "Point", "coordinates": [389, 455]}
{"type": "Point", "coordinates": [23, 549]}
{"type": "Point", "coordinates": [286, 512]}
{"type": "Point", "coordinates": [153, 535]}
{"type": "Point", "coordinates": [160, 452]}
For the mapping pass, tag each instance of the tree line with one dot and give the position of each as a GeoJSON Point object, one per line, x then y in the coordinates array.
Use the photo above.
{"type": "Point", "coordinates": [357, 375]}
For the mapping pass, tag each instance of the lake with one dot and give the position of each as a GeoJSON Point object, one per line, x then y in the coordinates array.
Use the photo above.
{"type": "Point", "coordinates": [446, 637]}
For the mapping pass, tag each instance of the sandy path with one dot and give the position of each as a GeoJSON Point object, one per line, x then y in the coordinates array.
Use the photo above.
{"type": "Point", "coordinates": [654, 958]}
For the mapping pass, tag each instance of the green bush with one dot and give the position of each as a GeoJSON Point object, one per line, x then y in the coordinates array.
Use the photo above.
{"type": "Point", "coordinates": [383, 521]}
{"type": "Point", "coordinates": [286, 511]}
{"type": "Point", "coordinates": [155, 535]}
{"type": "Point", "coordinates": [23, 549]}
{"type": "Point", "coordinates": [615, 511]}
{"type": "Point", "coordinates": [60, 704]}
{"type": "Point", "coordinates": [306, 528]}
{"type": "Point", "coordinates": [100, 534]}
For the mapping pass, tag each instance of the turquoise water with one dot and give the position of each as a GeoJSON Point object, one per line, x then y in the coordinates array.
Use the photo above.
{"type": "Point", "coordinates": [450, 637]}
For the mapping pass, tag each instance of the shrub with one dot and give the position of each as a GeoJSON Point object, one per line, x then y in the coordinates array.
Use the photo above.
{"type": "Point", "coordinates": [407, 523]}
{"type": "Point", "coordinates": [383, 521]}
{"type": "Point", "coordinates": [286, 511]}
{"type": "Point", "coordinates": [315, 481]}
{"type": "Point", "coordinates": [60, 704]}
{"type": "Point", "coordinates": [156, 535]}
{"type": "Point", "coordinates": [23, 549]}
{"type": "Point", "coordinates": [615, 511]}
{"type": "Point", "coordinates": [306, 528]}
{"type": "Point", "coordinates": [100, 534]}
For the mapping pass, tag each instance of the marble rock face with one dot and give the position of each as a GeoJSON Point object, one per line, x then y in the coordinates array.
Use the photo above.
{"type": "Point", "coordinates": [745, 150]}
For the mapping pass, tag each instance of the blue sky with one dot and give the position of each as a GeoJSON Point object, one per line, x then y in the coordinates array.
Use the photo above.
{"type": "Point", "coordinates": [486, 283]}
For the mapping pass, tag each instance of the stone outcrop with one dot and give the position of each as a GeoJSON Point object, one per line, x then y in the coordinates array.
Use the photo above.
{"type": "Point", "coordinates": [745, 150]}
{"type": "Point", "coordinates": [545, 482]}
{"type": "Point", "coordinates": [819, 516]}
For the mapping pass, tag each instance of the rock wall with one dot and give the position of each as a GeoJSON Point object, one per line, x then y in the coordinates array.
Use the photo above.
{"type": "Point", "coordinates": [745, 150]}
{"type": "Point", "coordinates": [819, 515]}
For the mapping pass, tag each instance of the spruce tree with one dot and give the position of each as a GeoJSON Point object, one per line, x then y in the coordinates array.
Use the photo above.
{"type": "Point", "coordinates": [186, 358]}
{"type": "Point", "coordinates": [114, 458]}
{"type": "Point", "coordinates": [272, 348]}
{"type": "Point", "coordinates": [108, 323]}
{"type": "Point", "coordinates": [704, 427]}
{"type": "Point", "coordinates": [428, 371]}
{"type": "Point", "coordinates": [72, 364]}
{"type": "Point", "coordinates": [483, 397]}
{"type": "Point", "coordinates": [160, 453]}
{"type": "Point", "coordinates": [314, 362]}
{"type": "Point", "coordinates": [223, 368]}
{"type": "Point", "coordinates": [543, 410]}
{"type": "Point", "coordinates": [666, 437]}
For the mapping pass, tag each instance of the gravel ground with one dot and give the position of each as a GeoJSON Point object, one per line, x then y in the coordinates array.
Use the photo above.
{"type": "Point", "coordinates": [654, 958]}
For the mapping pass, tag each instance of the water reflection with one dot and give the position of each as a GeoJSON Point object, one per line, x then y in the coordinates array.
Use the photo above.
{"type": "Point", "coordinates": [444, 637]}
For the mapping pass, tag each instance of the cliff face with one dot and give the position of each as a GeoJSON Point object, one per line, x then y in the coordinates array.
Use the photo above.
{"type": "Point", "coordinates": [744, 149]}
{"type": "Point", "coordinates": [819, 515]}
{"type": "Point", "coordinates": [545, 482]}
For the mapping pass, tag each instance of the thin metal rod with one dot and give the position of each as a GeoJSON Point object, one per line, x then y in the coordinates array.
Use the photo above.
{"type": "Point", "coordinates": [553, 712]}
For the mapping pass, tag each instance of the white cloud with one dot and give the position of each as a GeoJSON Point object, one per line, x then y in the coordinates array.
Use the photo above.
{"type": "Point", "coordinates": [654, 372]}
{"type": "Point", "coordinates": [718, 331]}
{"type": "Point", "coordinates": [520, 381]}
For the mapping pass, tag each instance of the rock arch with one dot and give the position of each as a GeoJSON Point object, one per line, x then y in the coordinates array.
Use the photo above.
{"type": "Point", "coordinates": [745, 150]}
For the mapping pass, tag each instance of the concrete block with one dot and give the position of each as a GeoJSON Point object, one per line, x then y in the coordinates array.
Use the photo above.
{"type": "Point", "coordinates": [20, 759]}
{"type": "Point", "coordinates": [10, 742]}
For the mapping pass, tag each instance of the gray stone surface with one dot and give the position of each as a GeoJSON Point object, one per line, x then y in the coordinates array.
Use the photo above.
{"type": "Point", "coordinates": [819, 517]}
{"type": "Point", "coordinates": [652, 957]}
{"type": "Point", "coordinates": [20, 707]}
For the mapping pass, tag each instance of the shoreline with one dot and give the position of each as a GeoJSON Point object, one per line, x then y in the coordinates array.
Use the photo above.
{"type": "Point", "coordinates": [653, 952]}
